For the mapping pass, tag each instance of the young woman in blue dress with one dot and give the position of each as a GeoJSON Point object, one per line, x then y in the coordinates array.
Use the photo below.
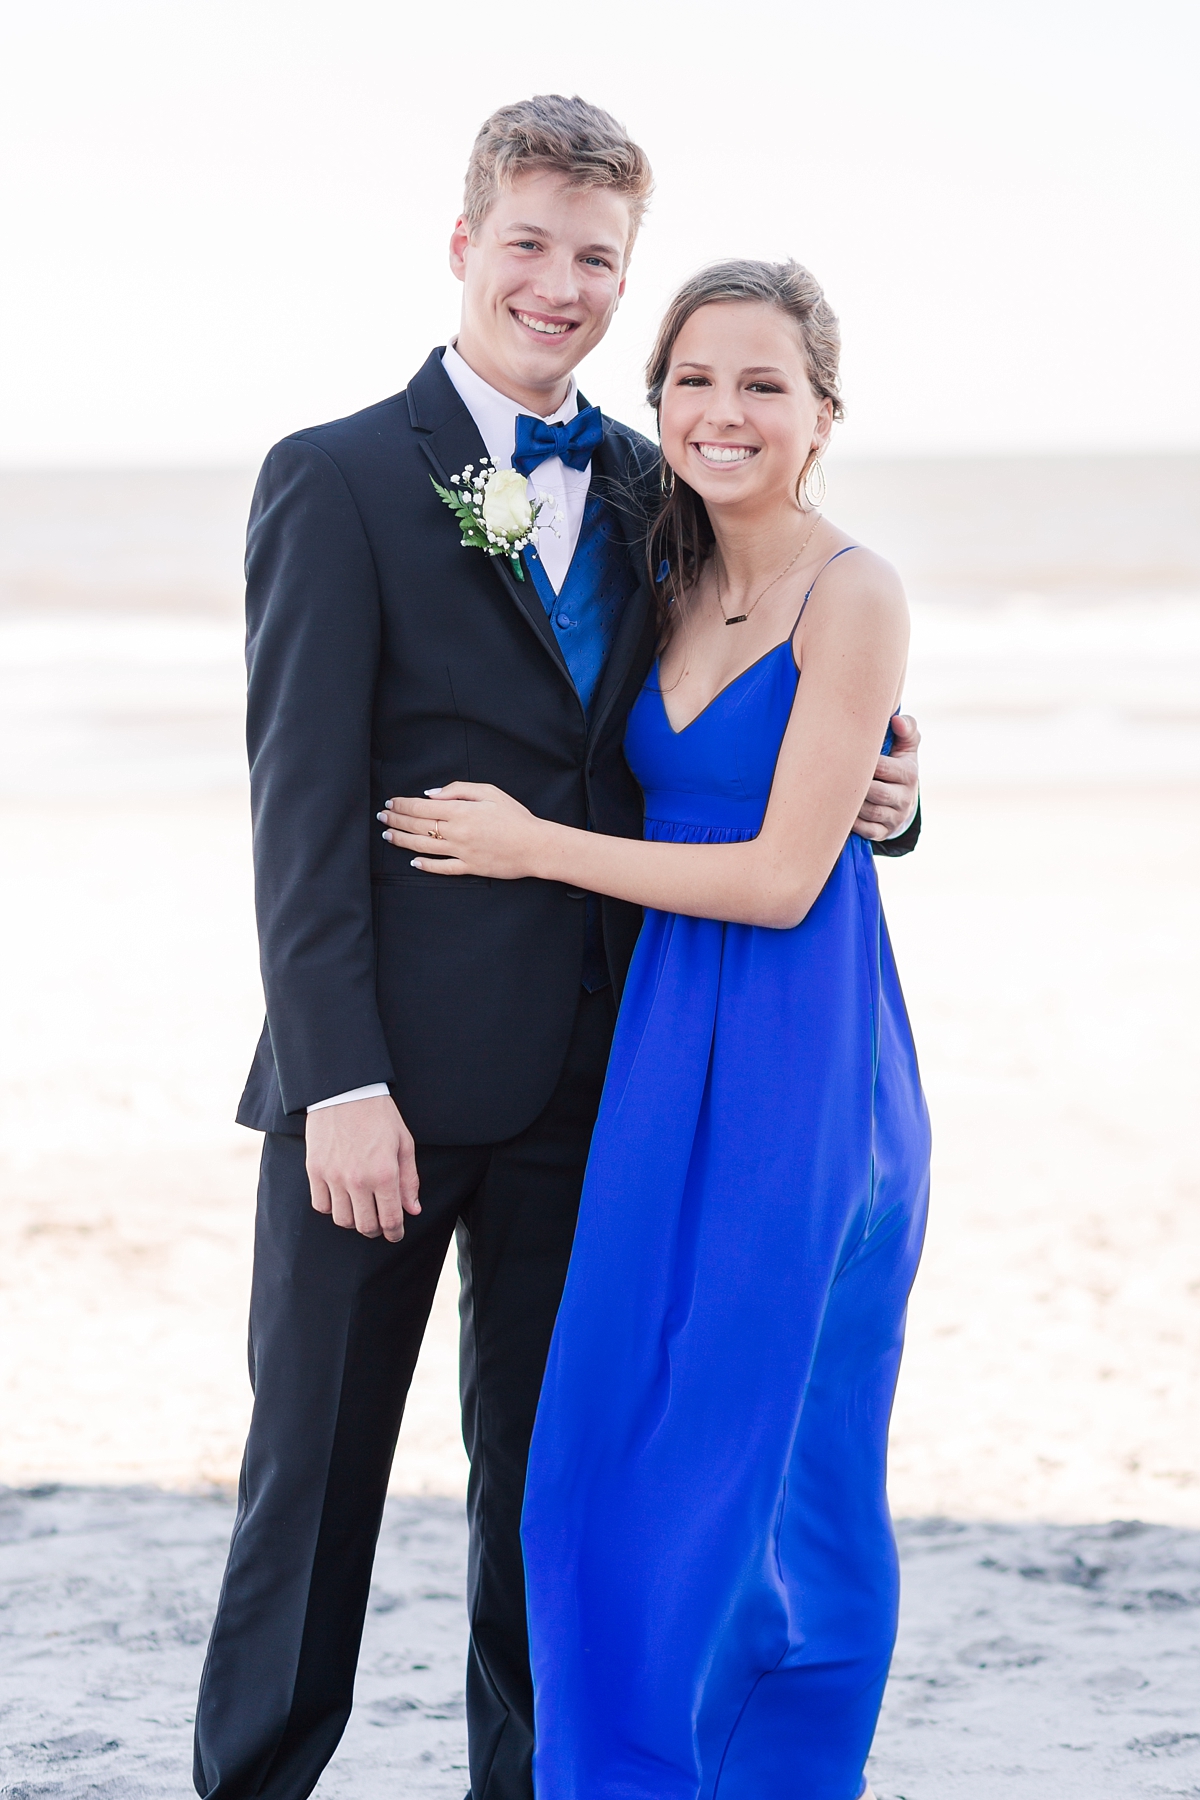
{"type": "Point", "coordinates": [711, 1570]}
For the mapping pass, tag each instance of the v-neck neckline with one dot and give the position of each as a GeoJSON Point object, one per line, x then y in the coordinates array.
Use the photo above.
{"type": "Point", "coordinates": [709, 704]}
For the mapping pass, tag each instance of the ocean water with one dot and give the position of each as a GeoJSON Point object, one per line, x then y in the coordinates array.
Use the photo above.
{"type": "Point", "coordinates": [1056, 619]}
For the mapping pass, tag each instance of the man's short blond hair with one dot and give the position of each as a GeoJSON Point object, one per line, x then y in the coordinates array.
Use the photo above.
{"type": "Point", "coordinates": [572, 137]}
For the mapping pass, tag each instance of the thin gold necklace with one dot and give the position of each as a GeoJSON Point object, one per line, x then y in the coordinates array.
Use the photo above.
{"type": "Point", "coordinates": [740, 618]}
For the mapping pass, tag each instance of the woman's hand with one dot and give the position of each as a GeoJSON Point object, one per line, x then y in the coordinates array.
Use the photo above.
{"type": "Point", "coordinates": [467, 828]}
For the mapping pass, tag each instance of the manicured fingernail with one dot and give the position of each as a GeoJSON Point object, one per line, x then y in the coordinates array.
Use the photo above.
{"type": "Point", "coordinates": [386, 836]}
{"type": "Point", "coordinates": [416, 862]}
{"type": "Point", "coordinates": [432, 793]}
{"type": "Point", "coordinates": [381, 815]}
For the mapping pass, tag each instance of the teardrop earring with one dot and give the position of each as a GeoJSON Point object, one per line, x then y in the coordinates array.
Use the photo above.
{"type": "Point", "coordinates": [666, 478]}
{"type": "Point", "coordinates": [814, 486]}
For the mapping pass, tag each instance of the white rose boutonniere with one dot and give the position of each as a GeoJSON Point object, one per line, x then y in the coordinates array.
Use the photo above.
{"type": "Point", "coordinates": [507, 511]}
{"type": "Point", "coordinates": [494, 510]}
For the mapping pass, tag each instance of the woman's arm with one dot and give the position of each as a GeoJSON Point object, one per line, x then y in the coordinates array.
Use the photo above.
{"type": "Point", "coordinates": [853, 654]}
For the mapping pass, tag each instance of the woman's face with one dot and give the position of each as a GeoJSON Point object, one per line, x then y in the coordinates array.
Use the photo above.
{"type": "Point", "coordinates": [738, 417]}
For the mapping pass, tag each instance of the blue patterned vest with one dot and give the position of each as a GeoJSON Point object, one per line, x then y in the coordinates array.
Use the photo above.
{"type": "Point", "coordinates": [584, 617]}
{"type": "Point", "coordinates": [599, 582]}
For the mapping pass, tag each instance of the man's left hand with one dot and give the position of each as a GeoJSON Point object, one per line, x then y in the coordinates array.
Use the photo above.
{"type": "Point", "coordinates": [892, 797]}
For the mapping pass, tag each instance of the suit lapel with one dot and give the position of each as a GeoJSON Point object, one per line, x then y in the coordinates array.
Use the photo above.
{"type": "Point", "coordinates": [450, 439]}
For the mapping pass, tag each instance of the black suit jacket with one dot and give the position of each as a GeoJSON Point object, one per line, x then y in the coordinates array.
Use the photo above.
{"type": "Point", "coordinates": [385, 659]}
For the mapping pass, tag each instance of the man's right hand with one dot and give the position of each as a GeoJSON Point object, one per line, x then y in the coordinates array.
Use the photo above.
{"type": "Point", "coordinates": [362, 1166]}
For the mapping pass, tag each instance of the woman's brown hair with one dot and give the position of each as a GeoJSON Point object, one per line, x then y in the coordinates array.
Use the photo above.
{"type": "Point", "coordinates": [681, 536]}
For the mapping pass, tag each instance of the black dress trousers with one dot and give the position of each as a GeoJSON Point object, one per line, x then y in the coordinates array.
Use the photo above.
{"type": "Point", "coordinates": [336, 1322]}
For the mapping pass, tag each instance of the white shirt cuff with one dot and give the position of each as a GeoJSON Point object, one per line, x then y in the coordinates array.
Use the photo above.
{"type": "Point", "coordinates": [376, 1090]}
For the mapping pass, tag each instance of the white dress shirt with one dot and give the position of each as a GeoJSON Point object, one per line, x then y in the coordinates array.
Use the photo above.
{"type": "Point", "coordinates": [564, 488]}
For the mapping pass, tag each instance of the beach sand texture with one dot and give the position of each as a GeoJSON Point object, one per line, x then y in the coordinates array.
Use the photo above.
{"type": "Point", "coordinates": [1034, 1662]}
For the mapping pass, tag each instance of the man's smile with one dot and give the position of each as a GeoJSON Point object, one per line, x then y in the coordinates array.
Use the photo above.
{"type": "Point", "coordinates": [544, 324]}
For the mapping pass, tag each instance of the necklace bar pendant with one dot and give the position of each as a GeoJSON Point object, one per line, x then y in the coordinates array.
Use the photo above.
{"type": "Point", "coordinates": [738, 619]}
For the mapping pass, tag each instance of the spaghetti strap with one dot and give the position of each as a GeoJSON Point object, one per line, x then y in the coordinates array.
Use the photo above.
{"type": "Point", "coordinates": [812, 584]}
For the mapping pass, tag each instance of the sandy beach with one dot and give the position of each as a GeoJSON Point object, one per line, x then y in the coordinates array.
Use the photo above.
{"type": "Point", "coordinates": [1032, 1661]}
{"type": "Point", "coordinates": [1045, 936]}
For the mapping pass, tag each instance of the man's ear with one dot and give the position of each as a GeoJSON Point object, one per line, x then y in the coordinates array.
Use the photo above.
{"type": "Point", "coordinates": [460, 237]}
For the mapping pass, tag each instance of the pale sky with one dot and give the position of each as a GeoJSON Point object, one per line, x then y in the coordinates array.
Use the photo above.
{"type": "Point", "coordinates": [226, 219]}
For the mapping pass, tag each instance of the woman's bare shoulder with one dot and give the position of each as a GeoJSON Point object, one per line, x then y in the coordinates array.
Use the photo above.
{"type": "Point", "coordinates": [863, 570]}
{"type": "Point", "coordinates": [857, 591]}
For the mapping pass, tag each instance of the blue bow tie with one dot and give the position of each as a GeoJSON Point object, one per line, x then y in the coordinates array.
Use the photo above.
{"type": "Point", "coordinates": [573, 443]}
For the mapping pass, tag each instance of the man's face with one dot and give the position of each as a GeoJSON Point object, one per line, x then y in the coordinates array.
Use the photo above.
{"type": "Point", "coordinates": [541, 278]}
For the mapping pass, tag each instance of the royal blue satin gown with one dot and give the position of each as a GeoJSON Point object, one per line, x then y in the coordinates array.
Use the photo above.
{"type": "Point", "coordinates": [711, 1570]}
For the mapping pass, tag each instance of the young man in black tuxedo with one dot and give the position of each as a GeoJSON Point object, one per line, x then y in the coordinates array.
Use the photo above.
{"type": "Point", "coordinates": [434, 1051]}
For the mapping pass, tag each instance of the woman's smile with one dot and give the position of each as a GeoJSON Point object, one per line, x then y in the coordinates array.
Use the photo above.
{"type": "Point", "coordinates": [724, 454]}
